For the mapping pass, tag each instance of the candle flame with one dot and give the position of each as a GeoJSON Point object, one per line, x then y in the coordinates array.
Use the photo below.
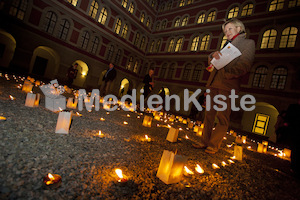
{"type": "Point", "coordinates": [199, 169]}
{"type": "Point", "coordinates": [231, 161]}
{"type": "Point", "coordinates": [187, 170]}
{"type": "Point", "coordinates": [187, 137]}
{"type": "Point", "coordinates": [180, 129]}
{"type": "Point", "coordinates": [125, 122]}
{"type": "Point", "coordinates": [60, 109]}
{"type": "Point", "coordinates": [147, 138]}
{"type": "Point", "coordinates": [215, 166]}
{"type": "Point", "coordinates": [224, 163]}
{"type": "Point", "coordinates": [102, 119]}
{"type": "Point", "coordinates": [2, 118]}
{"type": "Point", "coordinates": [119, 173]}
{"type": "Point", "coordinates": [138, 117]}
{"type": "Point", "coordinates": [249, 147]}
{"type": "Point", "coordinates": [50, 176]}
{"type": "Point", "coordinates": [128, 115]}
{"type": "Point", "coordinates": [107, 113]}
{"type": "Point", "coordinates": [100, 133]}
{"type": "Point", "coordinates": [11, 97]}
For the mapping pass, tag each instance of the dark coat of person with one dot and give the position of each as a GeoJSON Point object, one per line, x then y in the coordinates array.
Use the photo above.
{"type": "Point", "coordinates": [110, 75]}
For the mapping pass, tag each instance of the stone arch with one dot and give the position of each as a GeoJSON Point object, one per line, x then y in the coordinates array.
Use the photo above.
{"type": "Point", "coordinates": [82, 73]}
{"type": "Point", "coordinates": [7, 48]}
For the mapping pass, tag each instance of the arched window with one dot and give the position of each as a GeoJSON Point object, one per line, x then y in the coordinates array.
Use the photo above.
{"type": "Point", "coordinates": [63, 29]}
{"type": "Point", "coordinates": [136, 66]}
{"type": "Point", "coordinates": [247, 10]}
{"type": "Point", "coordinates": [276, 5]}
{"type": "Point", "coordinates": [224, 40]}
{"type": "Point", "coordinates": [162, 7]}
{"type": "Point", "coordinates": [95, 44]}
{"type": "Point", "coordinates": [163, 71]}
{"type": "Point", "coordinates": [201, 19]}
{"type": "Point", "coordinates": [169, 5]}
{"type": "Point", "coordinates": [163, 25]}
{"type": "Point", "coordinates": [187, 72]}
{"type": "Point", "coordinates": [153, 2]}
{"type": "Point", "coordinates": [103, 16]}
{"type": "Point", "coordinates": [195, 44]}
{"type": "Point", "coordinates": [110, 53]}
{"type": "Point", "coordinates": [131, 8]}
{"type": "Point", "coordinates": [93, 9]}
{"type": "Point", "coordinates": [157, 45]}
{"type": "Point", "coordinates": [18, 8]}
{"type": "Point", "coordinates": [211, 16]}
{"type": "Point", "coordinates": [189, 2]}
{"type": "Point", "coordinates": [279, 78]}
{"type": "Point", "coordinates": [185, 21]}
{"type": "Point", "coordinates": [181, 3]}
{"type": "Point", "coordinates": [233, 12]}
{"type": "Point", "coordinates": [178, 45]}
{"type": "Point", "coordinates": [269, 38]}
{"type": "Point", "coordinates": [118, 26]}
{"type": "Point", "coordinates": [142, 18]}
{"type": "Point", "coordinates": [260, 76]}
{"type": "Point", "coordinates": [124, 3]}
{"type": "Point", "coordinates": [142, 44]}
{"type": "Point", "coordinates": [171, 71]}
{"type": "Point", "coordinates": [204, 43]}
{"type": "Point", "coordinates": [294, 3]}
{"type": "Point", "coordinates": [171, 45]}
{"type": "Point", "coordinates": [130, 62]}
{"type": "Point", "coordinates": [197, 73]}
{"type": "Point", "coordinates": [118, 56]}
{"type": "Point", "coordinates": [124, 31]}
{"type": "Point", "coordinates": [157, 26]}
{"type": "Point", "coordinates": [50, 22]}
{"type": "Point", "coordinates": [137, 39]}
{"type": "Point", "coordinates": [148, 22]}
{"type": "Point", "coordinates": [73, 2]}
{"type": "Point", "coordinates": [151, 47]}
{"type": "Point", "coordinates": [84, 40]}
{"type": "Point", "coordinates": [177, 22]}
{"type": "Point", "coordinates": [288, 37]}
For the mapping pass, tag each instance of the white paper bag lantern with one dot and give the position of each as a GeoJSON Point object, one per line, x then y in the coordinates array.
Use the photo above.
{"type": "Point", "coordinates": [238, 152]}
{"type": "Point", "coordinates": [32, 100]}
{"type": "Point", "coordinates": [170, 168]}
{"type": "Point", "coordinates": [63, 122]}
{"type": "Point", "coordinates": [172, 135]}
{"type": "Point", "coordinates": [147, 121]}
{"type": "Point", "coordinates": [27, 86]}
{"type": "Point", "coordinates": [72, 103]}
{"type": "Point", "coordinates": [287, 152]}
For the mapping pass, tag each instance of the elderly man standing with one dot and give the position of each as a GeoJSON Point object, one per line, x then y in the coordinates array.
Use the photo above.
{"type": "Point", "coordinates": [108, 78]}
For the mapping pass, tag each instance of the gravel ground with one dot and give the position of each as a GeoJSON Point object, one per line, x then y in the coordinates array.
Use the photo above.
{"type": "Point", "coordinates": [30, 149]}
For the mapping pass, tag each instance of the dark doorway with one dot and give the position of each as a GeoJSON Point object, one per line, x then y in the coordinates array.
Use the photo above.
{"type": "Point", "coordinates": [40, 66]}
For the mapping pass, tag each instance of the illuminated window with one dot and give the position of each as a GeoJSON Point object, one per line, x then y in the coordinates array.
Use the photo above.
{"type": "Point", "coordinates": [171, 71]}
{"type": "Point", "coordinates": [63, 29]}
{"type": "Point", "coordinates": [131, 8]}
{"type": "Point", "coordinates": [129, 65]}
{"type": "Point", "coordinates": [151, 47]}
{"type": "Point", "coordinates": [118, 56]}
{"type": "Point", "coordinates": [279, 78]}
{"type": "Point", "coordinates": [124, 31]}
{"type": "Point", "coordinates": [260, 76]}
{"type": "Point", "coordinates": [247, 10]}
{"type": "Point", "coordinates": [177, 22]}
{"type": "Point", "coordinates": [195, 44]}
{"type": "Point", "coordinates": [95, 44]}
{"type": "Point", "coordinates": [73, 2]}
{"type": "Point", "coordinates": [142, 18]}
{"type": "Point", "coordinates": [148, 22]}
{"type": "Point", "coordinates": [233, 12]}
{"type": "Point", "coordinates": [201, 19]}
{"type": "Point", "coordinates": [294, 3]}
{"type": "Point", "coordinates": [118, 26]}
{"type": "Point", "coordinates": [163, 71]}
{"type": "Point", "coordinates": [224, 40]}
{"type": "Point", "coordinates": [182, 2]}
{"type": "Point", "coordinates": [153, 3]}
{"type": "Point", "coordinates": [288, 37]}
{"type": "Point", "coordinates": [196, 73]}
{"type": "Point", "coordinates": [103, 16]}
{"type": "Point", "coordinates": [204, 43]}
{"type": "Point", "coordinates": [18, 8]}
{"type": "Point", "coordinates": [184, 21]}
{"type": "Point", "coordinates": [137, 39]}
{"type": "Point", "coordinates": [269, 38]}
{"type": "Point", "coordinates": [157, 45]}
{"type": "Point", "coordinates": [178, 45]}
{"type": "Point", "coordinates": [93, 9]}
{"type": "Point", "coordinates": [84, 40]}
{"type": "Point", "coordinates": [261, 124]}
{"type": "Point", "coordinates": [169, 5]}
{"type": "Point", "coordinates": [135, 68]}
{"type": "Point", "coordinates": [171, 45]}
{"type": "Point", "coordinates": [189, 2]}
{"type": "Point", "coordinates": [110, 53]}
{"type": "Point", "coordinates": [211, 16]}
{"type": "Point", "coordinates": [124, 3]}
{"type": "Point", "coordinates": [164, 24]}
{"type": "Point", "coordinates": [157, 26]}
{"type": "Point", "coordinates": [186, 72]}
{"type": "Point", "coordinates": [276, 5]}
{"type": "Point", "coordinates": [142, 44]}
{"type": "Point", "coordinates": [50, 22]}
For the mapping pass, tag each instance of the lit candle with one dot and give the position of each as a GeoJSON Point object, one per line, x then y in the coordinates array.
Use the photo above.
{"type": "Point", "coordinates": [102, 119]}
{"type": "Point", "coordinates": [107, 113]}
{"type": "Point", "coordinates": [121, 178]}
{"type": "Point", "coordinates": [78, 114]}
{"type": "Point", "coordinates": [128, 115]}
{"type": "Point", "coordinates": [199, 169]}
{"type": "Point", "coordinates": [125, 123]}
{"type": "Point", "coordinates": [138, 117]}
{"type": "Point", "coordinates": [231, 161]}
{"type": "Point", "coordinates": [215, 166]}
{"type": "Point", "coordinates": [52, 180]}
{"type": "Point", "coordinates": [187, 171]}
{"type": "Point", "coordinates": [223, 163]}
{"type": "Point", "coordinates": [2, 118]}
{"type": "Point", "coordinates": [11, 97]}
{"type": "Point", "coordinates": [187, 137]}
{"type": "Point", "coordinates": [101, 135]}
{"type": "Point", "coordinates": [147, 139]}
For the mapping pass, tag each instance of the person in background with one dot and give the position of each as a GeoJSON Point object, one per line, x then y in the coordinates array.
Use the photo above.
{"type": "Point", "coordinates": [148, 81]}
{"type": "Point", "coordinates": [222, 81]}
{"type": "Point", "coordinates": [72, 73]}
{"type": "Point", "coordinates": [108, 78]}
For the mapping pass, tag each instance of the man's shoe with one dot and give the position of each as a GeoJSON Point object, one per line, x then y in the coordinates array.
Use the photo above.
{"type": "Point", "coordinates": [199, 145]}
{"type": "Point", "coordinates": [211, 150]}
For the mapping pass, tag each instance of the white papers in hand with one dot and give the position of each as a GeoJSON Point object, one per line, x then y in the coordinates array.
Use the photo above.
{"type": "Point", "coordinates": [229, 53]}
